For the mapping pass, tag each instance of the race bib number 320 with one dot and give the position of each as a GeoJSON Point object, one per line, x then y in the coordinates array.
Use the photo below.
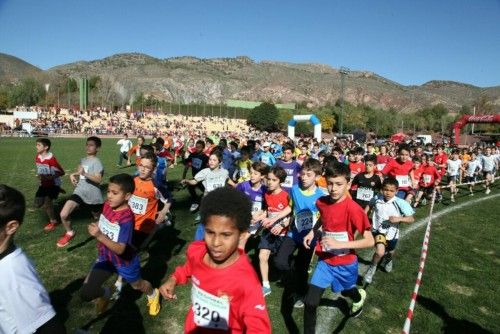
{"type": "Point", "coordinates": [209, 311]}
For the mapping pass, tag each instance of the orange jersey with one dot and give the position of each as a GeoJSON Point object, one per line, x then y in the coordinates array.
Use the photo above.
{"type": "Point", "coordinates": [137, 150]}
{"type": "Point", "coordinates": [144, 204]}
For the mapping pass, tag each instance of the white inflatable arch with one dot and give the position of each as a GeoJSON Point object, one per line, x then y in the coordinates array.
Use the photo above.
{"type": "Point", "coordinates": [304, 118]}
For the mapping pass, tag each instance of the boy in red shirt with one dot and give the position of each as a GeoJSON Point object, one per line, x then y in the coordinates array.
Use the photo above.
{"type": "Point", "coordinates": [225, 291]}
{"type": "Point", "coordinates": [337, 265]}
{"type": "Point", "coordinates": [276, 224]}
{"type": "Point", "coordinates": [49, 171]}
{"type": "Point", "coordinates": [429, 179]}
{"type": "Point", "coordinates": [400, 168]}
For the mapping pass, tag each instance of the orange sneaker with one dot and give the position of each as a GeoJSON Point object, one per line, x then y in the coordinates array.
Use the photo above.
{"type": "Point", "coordinates": [65, 239]}
{"type": "Point", "coordinates": [50, 226]}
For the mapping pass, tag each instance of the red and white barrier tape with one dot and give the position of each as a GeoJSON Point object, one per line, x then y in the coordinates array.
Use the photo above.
{"type": "Point", "coordinates": [423, 257]}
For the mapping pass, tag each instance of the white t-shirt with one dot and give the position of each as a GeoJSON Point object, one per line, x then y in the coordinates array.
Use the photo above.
{"type": "Point", "coordinates": [212, 179]}
{"type": "Point", "coordinates": [488, 163]}
{"type": "Point", "coordinates": [453, 167]}
{"type": "Point", "coordinates": [126, 145]}
{"type": "Point", "coordinates": [472, 167]}
{"type": "Point", "coordinates": [24, 302]}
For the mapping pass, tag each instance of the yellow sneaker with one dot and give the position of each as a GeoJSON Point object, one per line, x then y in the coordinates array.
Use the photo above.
{"type": "Point", "coordinates": [154, 303]}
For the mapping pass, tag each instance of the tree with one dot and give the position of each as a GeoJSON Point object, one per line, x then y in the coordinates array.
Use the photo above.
{"type": "Point", "coordinates": [264, 117]}
{"type": "Point", "coordinates": [29, 92]}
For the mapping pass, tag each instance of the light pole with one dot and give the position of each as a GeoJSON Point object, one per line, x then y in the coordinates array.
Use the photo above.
{"type": "Point", "coordinates": [343, 72]}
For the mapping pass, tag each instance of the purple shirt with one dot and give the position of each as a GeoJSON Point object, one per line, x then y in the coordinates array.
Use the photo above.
{"type": "Point", "coordinates": [256, 196]}
{"type": "Point", "coordinates": [292, 170]}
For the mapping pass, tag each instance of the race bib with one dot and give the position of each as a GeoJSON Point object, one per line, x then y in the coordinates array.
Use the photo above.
{"type": "Point", "coordinates": [339, 236]}
{"type": "Point", "coordinates": [209, 311]}
{"type": "Point", "coordinates": [380, 167]}
{"type": "Point", "coordinates": [244, 173]}
{"type": "Point", "coordinates": [288, 182]}
{"type": "Point", "coordinates": [304, 221]}
{"type": "Point", "coordinates": [43, 169]}
{"type": "Point", "coordinates": [403, 180]}
{"type": "Point", "coordinates": [196, 163]}
{"type": "Point", "coordinates": [111, 230]}
{"type": "Point", "coordinates": [214, 184]}
{"type": "Point", "coordinates": [256, 206]}
{"type": "Point", "coordinates": [364, 194]}
{"type": "Point", "coordinates": [427, 178]}
{"type": "Point", "coordinates": [138, 204]}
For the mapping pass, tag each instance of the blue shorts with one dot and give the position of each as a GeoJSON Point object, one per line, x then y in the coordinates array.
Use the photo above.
{"type": "Point", "coordinates": [130, 273]}
{"type": "Point", "coordinates": [339, 278]}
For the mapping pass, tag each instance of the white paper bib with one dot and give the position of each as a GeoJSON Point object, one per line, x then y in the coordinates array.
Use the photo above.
{"type": "Point", "coordinates": [288, 182]}
{"type": "Point", "coordinates": [364, 194]}
{"type": "Point", "coordinates": [43, 169]}
{"type": "Point", "coordinates": [427, 178]}
{"type": "Point", "coordinates": [138, 204]}
{"type": "Point", "coordinates": [380, 167]}
{"type": "Point", "coordinates": [339, 236]}
{"type": "Point", "coordinates": [305, 220]}
{"type": "Point", "coordinates": [403, 180]}
{"type": "Point", "coordinates": [209, 311]}
{"type": "Point", "coordinates": [111, 230]}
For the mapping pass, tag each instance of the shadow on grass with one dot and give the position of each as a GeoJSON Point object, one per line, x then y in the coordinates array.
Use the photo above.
{"type": "Point", "coordinates": [451, 325]}
{"type": "Point", "coordinates": [80, 244]}
{"type": "Point", "coordinates": [60, 298]}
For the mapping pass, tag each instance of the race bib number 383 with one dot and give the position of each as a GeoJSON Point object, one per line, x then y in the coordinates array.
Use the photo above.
{"type": "Point", "coordinates": [209, 311]}
{"type": "Point", "coordinates": [138, 204]}
{"type": "Point", "coordinates": [111, 230]}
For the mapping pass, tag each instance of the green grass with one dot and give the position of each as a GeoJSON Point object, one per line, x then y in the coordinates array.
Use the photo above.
{"type": "Point", "coordinates": [457, 294]}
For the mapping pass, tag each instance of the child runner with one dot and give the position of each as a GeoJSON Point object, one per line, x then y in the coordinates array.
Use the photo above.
{"type": "Point", "coordinates": [400, 168]}
{"type": "Point", "coordinates": [136, 151]}
{"type": "Point", "coordinates": [24, 303]}
{"type": "Point", "coordinates": [305, 214]}
{"type": "Point", "coordinates": [225, 291]}
{"type": "Point", "coordinates": [472, 169]}
{"type": "Point", "coordinates": [382, 158]}
{"type": "Point", "coordinates": [415, 177]}
{"type": "Point", "coordinates": [488, 165]}
{"type": "Point", "coordinates": [116, 254]}
{"type": "Point", "coordinates": [366, 184]}
{"type": "Point", "coordinates": [255, 190]}
{"type": "Point", "coordinates": [266, 156]}
{"type": "Point", "coordinates": [337, 265]}
{"type": "Point", "coordinates": [125, 146]}
{"type": "Point", "coordinates": [212, 178]}
{"type": "Point", "coordinates": [291, 167]}
{"type": "Point", "coordinates": [276, 224]}
{"type": "Point", "coordinates": [389, 211]}
{"type": "Point", "coordinates": [356, 164]}
{"type": "Point", "coordinates": [87, 193]}
{"type": "Point", "coordinates": [243, 165]}
{"type": "Point", "coordinates": [196, 161]}
{"type": "Point", "coordinates": [429, 179]}
{"type": "Point", "coordinates": [454, 166]}
{"type": "Point", "coordinates": [49, 171]}
{"type": "Point", "coordinates": [145, 204]}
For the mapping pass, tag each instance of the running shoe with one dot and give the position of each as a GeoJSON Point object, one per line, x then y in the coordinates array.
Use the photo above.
{"type": "Point", "coordinates": [154, 303]}
{"type": "Point", "coordinates": [194, 207]}
{"type": "Point", "coordinates": [368, 278]}
{"type": "Point", "coordinates": [50, 226]}
{"type": "Point", "coordinates": [357, 308]}
{"type": "Point", "coordinates": [266, 290]}
{"type": "Point", "coordinates": [65, 239]}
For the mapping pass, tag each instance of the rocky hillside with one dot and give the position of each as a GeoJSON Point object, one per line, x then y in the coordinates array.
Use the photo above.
{"type": "Point", "coordinates": [189, 79]}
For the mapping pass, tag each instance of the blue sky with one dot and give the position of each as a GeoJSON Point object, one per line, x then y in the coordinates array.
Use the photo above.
{"type": "Point", "coordinates": [410, 42]}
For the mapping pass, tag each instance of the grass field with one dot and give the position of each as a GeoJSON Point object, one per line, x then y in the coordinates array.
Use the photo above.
{"type": "Point", "coordinates": [457, 295]}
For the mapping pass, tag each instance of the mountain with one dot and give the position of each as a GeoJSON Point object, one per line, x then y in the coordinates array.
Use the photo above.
{"type": "Point", "coordinates": [190, 79]}
{"type": "Point", "coordinates": [13, 69]}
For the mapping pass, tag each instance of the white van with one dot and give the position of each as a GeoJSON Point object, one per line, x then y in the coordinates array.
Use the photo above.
{"type": "Point", "coordinates": [425, 139]}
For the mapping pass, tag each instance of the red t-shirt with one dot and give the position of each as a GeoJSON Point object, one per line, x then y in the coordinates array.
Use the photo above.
{"type": "Point", "coordinates": [429, 176]}
{"type": "Point", "coordinates": [233, 292]}
{"type": "Point", "coordinates": [276, 203]}
{"type": "Point", "coordinates": [341, 220]}
{"type": "Point", "coordinates": [400, 171]}
{"type": "Point", "coordinates": [356, 168]}
{"type": "Point", "coordinates": [48, 166]}
{"type": "Point", "coordinates": [441, 159]}
{"type": "Point", "coordinates": [416, 175]}
{"type": "Point", "coordinates": [382, 160]}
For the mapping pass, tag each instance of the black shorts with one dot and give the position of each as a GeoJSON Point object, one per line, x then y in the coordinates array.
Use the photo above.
{"type": "Point", "coordinates": [51, 192]}
{"type": "Point", "coordinates": [469, 179]}
{"type": "Point", "coordinates": [270, 241]}
{"type": "Point", "coordinates": [138, 239]}
{"type": "Point", "coordinates": [94, 208]}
